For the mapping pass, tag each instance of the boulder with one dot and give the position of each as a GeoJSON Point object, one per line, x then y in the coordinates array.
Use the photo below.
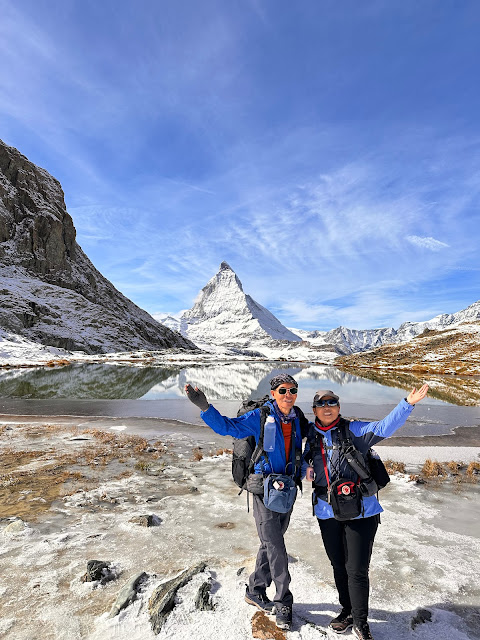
{"type": "Point", "coordinates": [421, 616]}
{"type": "Point", "coordinates": [147, 520]}
{"type": "Point", "coordinates": [98, 571]}
{"type": "Point", "coordinates": [203, 599]}
{"type": "Point", "coordinates": [162, 599]}
{"type": "Point", "coordinates": [17, 526]}
{"type": "Point", "coordinates": [127, 594]}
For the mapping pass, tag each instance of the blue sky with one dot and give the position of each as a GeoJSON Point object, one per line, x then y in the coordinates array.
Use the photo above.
{"type": "Point", "coordinates": [328, 151]}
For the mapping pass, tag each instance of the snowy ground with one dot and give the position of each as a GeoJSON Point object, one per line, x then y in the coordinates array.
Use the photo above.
{"type": "Point", "coordinates": [425, 555]}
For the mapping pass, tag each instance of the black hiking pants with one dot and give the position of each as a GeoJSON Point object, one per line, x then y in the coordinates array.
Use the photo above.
{"type": "Point", "coordinates": [349, 548]}
{"type": "Point", "coordinates": [272, 562]}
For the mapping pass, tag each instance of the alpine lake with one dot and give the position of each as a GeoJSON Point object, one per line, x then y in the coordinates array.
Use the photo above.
{"type": "Point", "coordinates": [152, 392]}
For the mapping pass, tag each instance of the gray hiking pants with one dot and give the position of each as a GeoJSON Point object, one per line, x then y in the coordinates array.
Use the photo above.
{"type": "Point", "coordinates": [272, 562]}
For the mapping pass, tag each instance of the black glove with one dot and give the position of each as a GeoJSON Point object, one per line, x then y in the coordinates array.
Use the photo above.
{"type": "Point", "coordinates": [197, 397]}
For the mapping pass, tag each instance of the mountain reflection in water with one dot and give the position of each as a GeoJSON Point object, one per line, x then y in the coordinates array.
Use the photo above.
{"type": "Point", "coordinates": [224, 381]}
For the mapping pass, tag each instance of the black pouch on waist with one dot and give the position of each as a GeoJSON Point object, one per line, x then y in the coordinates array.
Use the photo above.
{"type": "Point", "coordinates": [345, 499]}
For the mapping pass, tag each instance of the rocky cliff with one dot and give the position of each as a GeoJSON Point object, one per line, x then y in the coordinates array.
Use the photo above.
{"type": "Point", "coordinates": [49, 290]}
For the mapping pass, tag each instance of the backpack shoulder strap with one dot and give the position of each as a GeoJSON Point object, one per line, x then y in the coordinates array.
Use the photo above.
{"type": "Point", "coordinates": [352, 455]}
{"type": "Point", "coordinates": [258, 451]}
{"type": "Point", "coordinates": [304, 424]}
{"type": "Point", "coordinates": [343, 431]}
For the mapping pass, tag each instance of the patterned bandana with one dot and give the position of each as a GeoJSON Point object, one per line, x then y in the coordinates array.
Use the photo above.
{"type": "Point", "coordinates": [291, 416]}
{"type": "Point", "coordinates": [282, 378]}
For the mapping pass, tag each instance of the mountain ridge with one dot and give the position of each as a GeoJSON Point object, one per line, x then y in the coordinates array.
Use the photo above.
{"type": "Point", "coordinates": [50, 291]}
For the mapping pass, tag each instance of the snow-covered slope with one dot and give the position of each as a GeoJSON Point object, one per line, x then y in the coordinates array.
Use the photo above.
{"type": "Point", "coordinates": [50, 293]}
{"type": "Point", "coordinates": [453, 350]}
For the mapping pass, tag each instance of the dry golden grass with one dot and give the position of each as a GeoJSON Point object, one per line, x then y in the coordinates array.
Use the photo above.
{"type": "Point", "coordinates": [30, 480]}
{"type": "Point", "coordinates": [433, 469]}
{"type": "Point", "coordinates": [57, 363]}
{"type": "Point", "coordinates": [221, 451]}
{"type": "Point", "coordinates": [455, 467]}
{"type": "Point", "coordinates": [393, 467]}
{"type": "Point", "coordinates": [197, 455]}
{"type": "Point", "coordinates": [473, 469]}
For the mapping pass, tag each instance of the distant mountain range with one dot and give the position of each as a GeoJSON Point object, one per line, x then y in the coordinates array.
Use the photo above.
{"type": "Point", "coordinates": [50, 292]}
{"type": "Point", "coordinates": [224, 317]}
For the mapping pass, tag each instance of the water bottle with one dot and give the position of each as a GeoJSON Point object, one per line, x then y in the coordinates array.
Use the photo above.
{"type": "Point", "coordinates": [269, 434]}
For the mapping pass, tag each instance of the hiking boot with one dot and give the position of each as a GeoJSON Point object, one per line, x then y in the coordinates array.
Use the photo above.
{"type": "Point", "coordinates": [362, 631]}
{"type": "Point", "coordinates": [283, 616]}
{"type": "Point", "coordinates": [342, 622]}
{"type": "Point", "coordinates": [259, 600]}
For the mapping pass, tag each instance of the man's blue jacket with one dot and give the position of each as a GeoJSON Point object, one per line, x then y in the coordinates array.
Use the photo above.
{"type": "Point", "coordinates": [248, 425]}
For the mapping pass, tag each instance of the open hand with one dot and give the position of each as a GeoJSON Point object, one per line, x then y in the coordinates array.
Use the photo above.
{"type": "Point", "coordinates": [415, 396]}
{"type": "Point", "coordinates": [197, 397]}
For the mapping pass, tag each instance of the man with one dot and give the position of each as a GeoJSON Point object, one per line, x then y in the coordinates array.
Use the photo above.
{"type": "Point", "coordinates": [348, 542]}
{"type": "Point", "coordinates": [272, 562]}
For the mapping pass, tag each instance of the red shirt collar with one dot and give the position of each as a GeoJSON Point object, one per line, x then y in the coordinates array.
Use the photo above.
{"type": "Point", "coordinates": [320, 426]}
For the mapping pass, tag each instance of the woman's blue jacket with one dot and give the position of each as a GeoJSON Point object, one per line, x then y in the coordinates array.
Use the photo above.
{"type": "Point", "coordinates": [364, 435]}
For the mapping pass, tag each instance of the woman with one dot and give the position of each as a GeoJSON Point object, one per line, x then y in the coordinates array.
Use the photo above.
{"type": "Point", "coordinates": [348, 537]}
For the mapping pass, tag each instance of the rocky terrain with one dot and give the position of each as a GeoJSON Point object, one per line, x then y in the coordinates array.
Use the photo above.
{"type": "Point", "coordinates": [50, 292]}
{"type": "Point", "coordinates": [107, 534]}
{"type": "Point", "coordinates": [454, 351]}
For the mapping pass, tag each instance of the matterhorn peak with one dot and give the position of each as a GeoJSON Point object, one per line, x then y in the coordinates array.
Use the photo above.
{"type": "Point", "coordinates": [224, 315]}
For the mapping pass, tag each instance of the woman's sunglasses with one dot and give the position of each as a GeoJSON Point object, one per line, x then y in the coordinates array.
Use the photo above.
{"type": "Point", "coordinates": [331, 402]}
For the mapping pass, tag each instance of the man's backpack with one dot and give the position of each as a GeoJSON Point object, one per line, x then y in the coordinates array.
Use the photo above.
{"type": "Point", "coordinates": [245, 451]}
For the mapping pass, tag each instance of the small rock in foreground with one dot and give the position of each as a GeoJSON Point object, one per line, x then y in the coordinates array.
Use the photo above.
{"type": "Point", "coordinates": [147, 521]}
{"type": "Point", "coordinates": [97, 570]}
{"type": "Point", "coordinates": [17, 526]}
{"type": "Point", "coordinates": [203, 600]}
{"type": "Point", "coordinates": [421, 616]}
{"type": "Point", "coordinates": [127, 594]}
{"type": "Point", "coordinates": [162, 599]}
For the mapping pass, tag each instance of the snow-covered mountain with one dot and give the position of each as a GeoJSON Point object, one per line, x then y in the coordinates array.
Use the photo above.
{"type": "Point", "coordinates": [226, 319]}
{"type": "Point", "coordinates": [348, 341]}
{"type": "Point", "coordinates": [224, 314]}
{"type": "Point", "coordinates": [50, 293]}
{"type": "Point", "coordinates": [453, 350]}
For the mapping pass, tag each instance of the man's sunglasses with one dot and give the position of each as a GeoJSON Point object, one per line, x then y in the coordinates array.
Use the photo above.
{"type": "Point", "coordinates": [282, 391]}
{"type": "Point", "coordinates": [331, 402]}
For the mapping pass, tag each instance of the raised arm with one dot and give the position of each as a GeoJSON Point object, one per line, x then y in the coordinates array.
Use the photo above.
{"type": "Point", "coordinates": [373, 432]}
{"type": "Point", "coordinates": [246, 425]}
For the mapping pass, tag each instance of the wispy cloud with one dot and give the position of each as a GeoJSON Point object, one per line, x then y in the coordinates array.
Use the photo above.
{"type": "Point", "coordinates": [427, 243]}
